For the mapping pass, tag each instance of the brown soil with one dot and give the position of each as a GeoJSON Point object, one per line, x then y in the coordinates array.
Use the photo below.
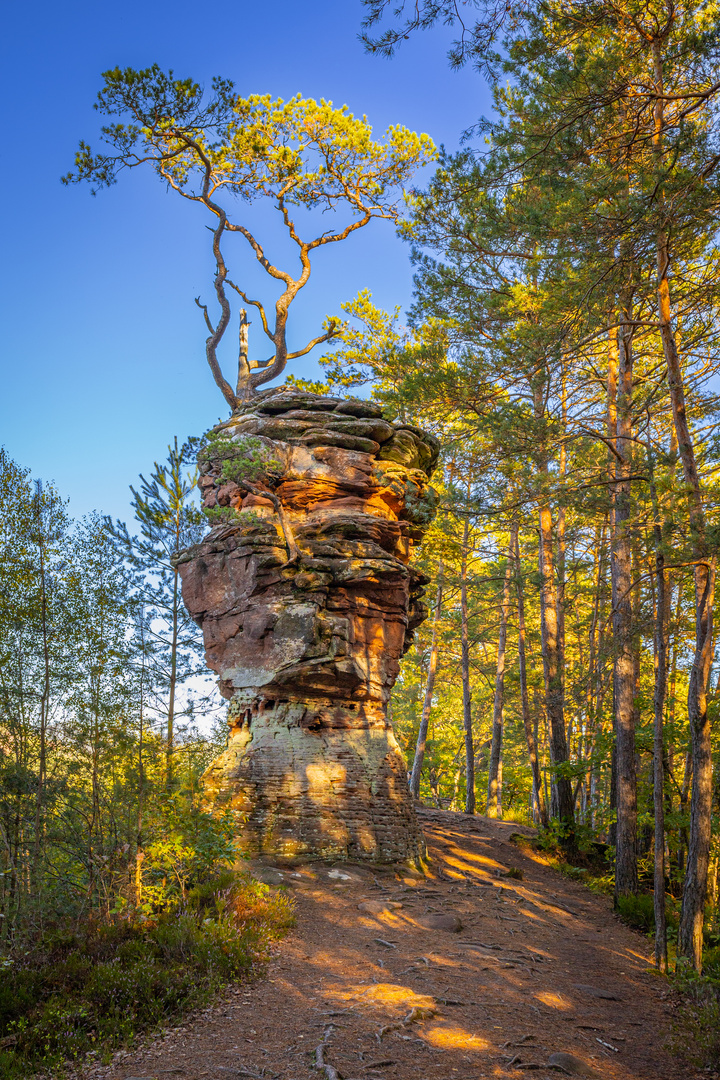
{"type": "Point", "coordinates": [386, 997]}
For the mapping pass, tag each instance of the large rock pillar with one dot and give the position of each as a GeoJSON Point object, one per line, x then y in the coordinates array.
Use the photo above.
{"type": "Point", "coordinates": [307, 602]}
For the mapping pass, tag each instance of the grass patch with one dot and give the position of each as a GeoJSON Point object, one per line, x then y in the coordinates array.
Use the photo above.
{"type": "Point", "coordinates": [639, 912]}
{"type": "Point", "coordinates": [94, 990]}
{"type": "Point", "coordinates": [696, 1029]}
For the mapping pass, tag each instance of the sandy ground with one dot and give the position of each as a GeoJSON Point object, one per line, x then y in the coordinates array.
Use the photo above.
{"type": "Point", "coordinates": [370, 986]}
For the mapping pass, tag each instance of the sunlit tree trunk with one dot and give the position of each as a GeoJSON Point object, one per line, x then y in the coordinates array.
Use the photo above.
{"type": "Point", "coordinates": [45, 695]}
{"type": "Point", "coordinates": [661, 642]}
{"type": "Point", "coordinates": [561, 540]}
{"type": "Point", "coordinates": [550, 642]}
{"type": "Point", "coordinates": [494, 792]}
{"type": "Point", "coordinates": [624, 667]}
{"type": "Point", "coordinates": [530, 727]}
{"type": "Point", "coordinates": [690, 940]}
{"type": "Point", "coordinates": [139, 852]}
{"type": "Point", "coordinates": [170, 743]}
{"type": "Point", "coordinates": [429, 687]}
{"type": "Point", "coordinates": [465, 665]}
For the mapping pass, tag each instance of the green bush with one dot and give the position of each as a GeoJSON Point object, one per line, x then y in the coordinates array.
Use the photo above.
{"type": "Point", "coordinates": [639, 912]}
{"type": "Point", "coordinates": [696, 1031]}
{"type": "Point", "coordinates": [73, 993]}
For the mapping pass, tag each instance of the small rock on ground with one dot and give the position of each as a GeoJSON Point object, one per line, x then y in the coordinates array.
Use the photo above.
{"type": "Point", "coordinates": [441, 922]}
{"type": "Point", "coordinates": [571, 1064]}
{"type": "Point", "coordinates": [595, 991]}
{"type": "Point", "coordinates": [379, 907]}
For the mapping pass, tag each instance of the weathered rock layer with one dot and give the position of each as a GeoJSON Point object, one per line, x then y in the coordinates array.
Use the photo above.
{"type": "Point", "coordinates": [307, 602]}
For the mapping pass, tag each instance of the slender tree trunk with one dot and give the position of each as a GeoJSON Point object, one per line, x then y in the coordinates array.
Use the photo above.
{"type": "Point", "coordinates": [612, 447]}
{"type": "Point", "coordinates": [662, 637]}
{"type": "Point", "coordinates": [594, 683]}
{"type": "Point", "coordinates": [624, 668]}
{"type": "Point", "coordinates": [465, 663]}
{"type": "Point", "coordinates": [550, 646]}
{"type": "Point", "coordinates": [427, 704]}
{"type": "Point", "coordinates": [690, 939]}
{"type": "Point", "coordinates": [530, 727]}
{"type": "Point", "coordinates": [494, 792]}
{"type": "Point", "coordinates": [562, 545]}
{"type": "Point", "coordinates": [139, 852]}
{"type": "Point", "coordinates": [170, 745]}
{"type": "Point", "coordinates": [45, 696]}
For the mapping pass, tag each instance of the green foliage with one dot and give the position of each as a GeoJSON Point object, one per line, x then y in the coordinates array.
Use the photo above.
{"type": "Point", "coordinates": [297, 153]}
{"type": "Point", "coordinates": [305, 152]}
{"type": "Point", "coordinates": [373, 347]}
{"type": "Point", "coordinates": [170, 645]}
{"type": "Point", "coordinates": [637, 911]}
{"type": "Point", "coordinates": [696, 1026]}
{"type": "Point", "coordinates": [222, 515]}
{"type": "Point", "coordinates": [187, 845]}
{"type": "Point", "coordinates": [241, 458]}
{"type": "Point", "coordinates": [73, 992]}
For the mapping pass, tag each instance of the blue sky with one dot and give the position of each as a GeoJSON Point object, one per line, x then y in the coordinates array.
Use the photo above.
{"type": "Point", "coordinates": [102, 346]}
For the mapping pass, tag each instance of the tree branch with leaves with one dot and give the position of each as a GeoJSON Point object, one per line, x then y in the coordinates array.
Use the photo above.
{"type": "Point", "coordinates": [302, 155]}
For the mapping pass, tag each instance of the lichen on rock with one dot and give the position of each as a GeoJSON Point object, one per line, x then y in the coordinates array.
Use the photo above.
{"type": "Point", "coordinates": [307, 601]}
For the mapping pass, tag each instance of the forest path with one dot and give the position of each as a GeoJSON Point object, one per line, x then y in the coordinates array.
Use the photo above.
{"type": "Point", "coordinates": [524, 979]}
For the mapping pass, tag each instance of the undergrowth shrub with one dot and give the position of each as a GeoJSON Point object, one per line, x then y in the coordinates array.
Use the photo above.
{"type": "Point", "coordinates": [639, 912]}
{"type": "Point", "coordinates": [94, 990]}
{"type": "Point", "coordinates": [584, 859]}
{"type": "Point", "coordinates": [696, 1030]}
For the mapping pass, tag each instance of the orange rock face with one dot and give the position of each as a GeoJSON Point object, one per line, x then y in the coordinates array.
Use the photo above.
{"type": "Point", "coordinates": [307, 602]}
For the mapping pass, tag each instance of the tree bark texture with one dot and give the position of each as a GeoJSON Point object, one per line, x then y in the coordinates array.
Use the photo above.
{"type": "Point", "coordinates": [494, 792]}
{"type": "Point", "coordinates": [554, 702]}
{"type": "Point", "coordinates": [662, 641]}
{"type": "Point", "coordinates": [530, 726]}
{"type": "Point", "coordinates": [465, 664]}
{"type": "Point", "coordinates": [624, 663]}
{"type": "Point", "coordinates": [690, 939]}
{"type": "Point", "coordinates": [419, 757]}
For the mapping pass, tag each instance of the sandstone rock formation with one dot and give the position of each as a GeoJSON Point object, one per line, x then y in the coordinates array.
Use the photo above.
{"type": "Point", "coordinates": [306, 601]}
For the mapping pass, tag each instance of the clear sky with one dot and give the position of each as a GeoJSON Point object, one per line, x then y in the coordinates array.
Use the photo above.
{"type": "Point", "coordinates": [102, 346]}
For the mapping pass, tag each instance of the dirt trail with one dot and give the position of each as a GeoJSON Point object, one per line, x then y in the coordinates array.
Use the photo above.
{"type": "Point", "coordinates": [539, 967]}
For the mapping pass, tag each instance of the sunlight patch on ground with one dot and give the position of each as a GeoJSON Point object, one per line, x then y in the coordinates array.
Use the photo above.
{"type": "Point", "coordinates": [472, 857]}
{"type": "Point", "coordinates": [452, 1037]}
{"type": "Point", "coordinates": [386, 920]}
{"type": "Point", "coordinates": [530, 915]}
{"type": "Point", "coordinates": [535, 950]}
{"type": "Point", "coordinates": [554, 1000]}
{"type": "Point", "coordinates": [443, 961]}
{"type": "Point", "coordinates": [385, 994]}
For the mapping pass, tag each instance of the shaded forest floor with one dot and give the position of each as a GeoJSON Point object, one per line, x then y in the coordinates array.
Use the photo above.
{"type": "Point", "coordinates": [540, 967]}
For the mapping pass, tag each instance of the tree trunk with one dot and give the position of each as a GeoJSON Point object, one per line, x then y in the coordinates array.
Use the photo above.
{"type": "Point", "coordinates": [662, 639]}
{"type": "Point", "coordinates": [465, 663]}
{"type": "Point", "coordinates": [550, 647]}
{"type": "Point", "coordinates": [427, 704]}
{"type": "Point", "coordinates": [170, 745]}
{"type": "Point", "coordinates": [139, 852]}
{"type": "Point", "coordinates": [561, 544]}
{"type": "Point", "coordinates": [695, 890]}
{"type": "Point", "coordinates": [45, 696]}
{"type": "Point", "coordinates": [494, 791]}
{"type": "Point", "coordinates": [530, 727]}
{"type": "Point", "coordinates": [624, 666]}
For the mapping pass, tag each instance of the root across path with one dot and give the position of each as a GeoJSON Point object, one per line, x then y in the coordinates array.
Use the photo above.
{"type": "Point", "coordinates": [463, 973]}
